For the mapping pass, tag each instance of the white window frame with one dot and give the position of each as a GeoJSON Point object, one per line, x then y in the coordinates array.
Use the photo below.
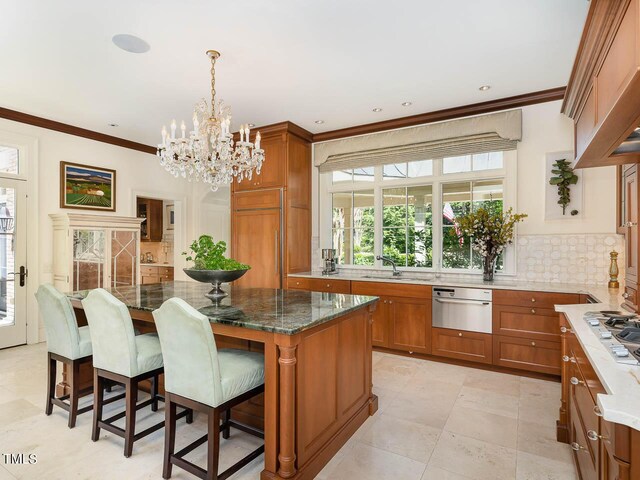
{"type": "Point", "coordinates": [508, 173]}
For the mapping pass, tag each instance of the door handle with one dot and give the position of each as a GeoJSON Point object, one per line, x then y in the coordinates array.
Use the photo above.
{"type": "Point", "coordinates": [463, 302]}
{"type": "Point", "coordinates": [22, 273]}
{"type": "Point", "coordinates": [277, 256]}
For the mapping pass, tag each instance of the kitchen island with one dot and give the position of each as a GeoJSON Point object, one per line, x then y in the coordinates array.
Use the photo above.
{"type": "Point", "coordinates": [317, 349]}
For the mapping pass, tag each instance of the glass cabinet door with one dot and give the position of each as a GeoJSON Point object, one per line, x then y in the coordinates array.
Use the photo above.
{"type": "Point", "coordinates": [124, 257]}
{"type": "Point", "coordinates": [89, 259]}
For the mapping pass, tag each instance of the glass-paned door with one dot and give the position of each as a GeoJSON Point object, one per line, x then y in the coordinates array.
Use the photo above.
{"type": "Point", "coordinates": [89, 259]}
{"type": "Point", "coordinates": [124, 257]}
{"type": "Point", "coordinates": [13, 263]}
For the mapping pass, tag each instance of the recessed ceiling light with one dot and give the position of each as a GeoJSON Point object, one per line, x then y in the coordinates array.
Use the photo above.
{"type": "Point", "coordinates": [130, 43]}
{"type": "Point", "coordinates": [319, 122]}
{"type": "Point", "coordinates": [406, 104]}
{"type": "Point", "coordinates": [377, 109]}
{"type": "Point", "coordinates": [251, 125]}
{"type": "Point", "coordinates": [484, 88]}
{"type": "Point", "coordinates": [112, 124]}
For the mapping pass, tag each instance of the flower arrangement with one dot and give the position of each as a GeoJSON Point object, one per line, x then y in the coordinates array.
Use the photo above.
{"type": "Point", "coordinates": [491, 232]}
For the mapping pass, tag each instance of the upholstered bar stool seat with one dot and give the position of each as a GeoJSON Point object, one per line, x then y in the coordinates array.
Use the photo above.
{"type": "Point", "coordinates": [66, 343]}
{"type": "Point", "coordinates": [200, 377]}
{"type": "Point", "coordinates": [121, 356]}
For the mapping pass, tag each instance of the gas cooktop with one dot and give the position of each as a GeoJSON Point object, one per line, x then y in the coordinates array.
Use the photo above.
{"type": "Point", "coordinates": [619, 332]}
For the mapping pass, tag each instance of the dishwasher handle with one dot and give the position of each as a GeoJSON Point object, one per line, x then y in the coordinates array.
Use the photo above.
{"type": "Point", "coordinates": [463, 302]}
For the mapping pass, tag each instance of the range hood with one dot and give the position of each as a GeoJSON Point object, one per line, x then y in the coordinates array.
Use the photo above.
{"type": "Point", "coordinates": [630, 145]}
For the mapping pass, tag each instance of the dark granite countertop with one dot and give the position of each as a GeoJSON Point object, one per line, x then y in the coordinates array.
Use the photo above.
{"type": "Point", "coordinates": [280, 311]}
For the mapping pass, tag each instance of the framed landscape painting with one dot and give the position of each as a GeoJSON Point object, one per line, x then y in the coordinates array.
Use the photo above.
{"type": "Point", "coordinates": [88, 188]}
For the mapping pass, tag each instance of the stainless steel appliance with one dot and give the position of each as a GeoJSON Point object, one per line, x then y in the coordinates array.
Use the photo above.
{"type": "Point", "coordinates": [462, 309]}
{"type": "Point", "coordinates": [619, 332]}
{"type": "Point", "coordinates": [329, 257]}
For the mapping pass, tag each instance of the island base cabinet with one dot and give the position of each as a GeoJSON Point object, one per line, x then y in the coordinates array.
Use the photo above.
{"type": "Point", "coordinates": [527, 354]}
{"type": "Point", "coordinates": [462, 345]}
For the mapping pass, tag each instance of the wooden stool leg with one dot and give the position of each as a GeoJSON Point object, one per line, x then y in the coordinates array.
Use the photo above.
{"type": "Point", "coordinates": [189, 415]}
{"type": "Point", "coordinates": [154, 393]}
{"type": "Point", "coordinates": [98, 398]}
{"type": "Point", "coordinates": [213, 444]}
{"type": "Point", "coordinates": [73, 395]}
{"type": "Point", "coordinates": [169, 436]}
{"type": "Point", "coordinates": [226, 433]}
{"type": "Point", "coordinates": [51, 383]}
{"type": "Point", "coordinates": [131, 397]}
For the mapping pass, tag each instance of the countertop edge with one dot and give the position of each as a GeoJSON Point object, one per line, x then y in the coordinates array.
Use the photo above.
{"type": "Point", "coordinates": [622, 382]}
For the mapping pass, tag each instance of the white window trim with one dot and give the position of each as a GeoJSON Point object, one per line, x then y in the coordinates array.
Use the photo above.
{"type": "Point", "coordinates": [326, 188]}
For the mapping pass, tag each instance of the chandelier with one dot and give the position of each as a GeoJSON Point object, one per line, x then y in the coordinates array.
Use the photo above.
{"type": "Point", "coordinates": [209, 153]}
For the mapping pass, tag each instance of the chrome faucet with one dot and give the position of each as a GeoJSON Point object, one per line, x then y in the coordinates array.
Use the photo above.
{"type": "Point", "coordinates": [396, 273]}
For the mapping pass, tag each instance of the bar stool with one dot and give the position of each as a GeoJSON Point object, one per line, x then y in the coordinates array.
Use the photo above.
{"type": "Point", "coordinates": [121, 356]}
{"type": "Point", "coordinates": [66, 343]}
{"type": "Point", "coordinates": [200, 377]}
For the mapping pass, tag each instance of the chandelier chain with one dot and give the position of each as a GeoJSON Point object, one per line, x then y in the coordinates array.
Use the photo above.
{"type": "Point", "coordinates": [213, 85]}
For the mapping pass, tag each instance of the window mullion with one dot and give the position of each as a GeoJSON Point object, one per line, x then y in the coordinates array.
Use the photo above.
{"type": "Point", "coordinates": [436, 225]}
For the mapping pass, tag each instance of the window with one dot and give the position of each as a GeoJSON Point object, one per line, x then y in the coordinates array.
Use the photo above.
{"type": "Point", "coordinates": [406, 225]}
{"type": "Point", "coordinates": [388, 210]}
{"type": "Point", "coordinates": [9, 160]}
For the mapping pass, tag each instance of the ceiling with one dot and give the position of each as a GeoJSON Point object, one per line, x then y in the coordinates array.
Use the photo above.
{"type": "Point", "coordinates": [297, 60]}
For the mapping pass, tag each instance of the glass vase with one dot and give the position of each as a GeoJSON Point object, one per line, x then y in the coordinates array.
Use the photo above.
{"type": "Point", "coordinates": [489, 267]}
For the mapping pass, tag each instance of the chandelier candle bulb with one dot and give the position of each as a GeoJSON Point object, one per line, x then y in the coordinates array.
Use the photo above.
{"type": "Point", "coordinates": [183, 127]}
{"type": "Point", "coordinates": [173, 129]}
{"type": "Point", "coordinates": [258, 141]}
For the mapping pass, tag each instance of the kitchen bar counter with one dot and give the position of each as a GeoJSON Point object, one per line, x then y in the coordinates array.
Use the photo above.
{"type": "Point", "coordinates": [317, 353]}
{"type": "Point", "coordinates": [285, 312]}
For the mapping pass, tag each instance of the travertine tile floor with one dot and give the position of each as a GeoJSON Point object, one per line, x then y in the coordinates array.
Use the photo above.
{"type": "Point", "coordinates": [435, 422]}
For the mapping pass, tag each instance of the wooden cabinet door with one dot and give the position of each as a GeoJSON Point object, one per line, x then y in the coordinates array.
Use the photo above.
{"type": "Point", "coordinates": [462, 345]}
{"type": "Point", "coordinates": [527, 354]}
{"type": "Point", "coordinates": [272, 172]}
{"type": "Point", "coordinates": [631, 223]}
{"type": "Point", "coordinates": [256, 242]}
{"type": "Point", "coordinates": [409, 324]}
{"type": "Point", "coordinates": [380, 327]}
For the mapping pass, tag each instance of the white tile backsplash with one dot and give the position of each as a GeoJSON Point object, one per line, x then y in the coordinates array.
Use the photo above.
{"type": "Point", "coordinates": [566, 258]}
{"type": "Point", "coordinates": [574, 258]}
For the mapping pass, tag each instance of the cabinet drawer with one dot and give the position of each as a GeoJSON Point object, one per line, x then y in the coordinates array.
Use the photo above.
{"type": "Point", "coordinates": [586, 465]}
{"type": "Point", "coordinates": [529, 322]}
{"type": "Point", "coordinates": [165, 271]}
{"type": "Point", "coordinates": [527, 354]}
{"type": "Point", "coordinates": [587, 421]}
{"type": "Point", "coordinates": [319, 284]}
{"type": "Point", "coordinates": [146, 270]}
{"type": "Point", "coordinates": [462, 345]}
{"type": "Point", "coordinates": [584, 366]}
{"type": "Point", "coordinates": [529, 299]}
{"type": "Point", "coordinates": [391, 289]}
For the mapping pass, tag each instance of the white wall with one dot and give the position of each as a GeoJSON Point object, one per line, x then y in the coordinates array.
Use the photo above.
{"type": "Point", "coordinates": [137, 173]}
{"type": "Point", "coordinates": [545, 130]}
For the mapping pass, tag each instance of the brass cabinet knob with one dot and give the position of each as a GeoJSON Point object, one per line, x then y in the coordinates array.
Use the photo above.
{"type": "Point", "coordinates": [533, 310]}
{"type": "Point", "coordinates": [533, 300]}
{"type": "Point", "coordinates": [576, 446]}
{"type": "Point", "coordinates": [384, 301]}
{"type": "Point", "coordinates": [567, 358]}
{"type": "Point", "coordinates": [576, 381]}
{"type": "Point", "coordinates": [460, 334]}
{"type": "Point", "coordinates": [597, 411]}
{"type": "Point", "coordinates": [328, 285]}
{"type": "Point", "coordinates": [533, 344]}
{"type": "Point", "coordinates": [390, 301]}
{"type": "Point", "coordinates": [565, 330]}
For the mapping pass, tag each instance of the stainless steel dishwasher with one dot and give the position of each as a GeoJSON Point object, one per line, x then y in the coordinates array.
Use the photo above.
{"type": "Point", "coordinates": [462, 309]}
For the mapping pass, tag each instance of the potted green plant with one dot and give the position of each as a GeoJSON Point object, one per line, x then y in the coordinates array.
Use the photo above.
{"type": "Point", "coordinates": [490, 233]}
{"type": "Point", "coordinates": [211, 266]}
